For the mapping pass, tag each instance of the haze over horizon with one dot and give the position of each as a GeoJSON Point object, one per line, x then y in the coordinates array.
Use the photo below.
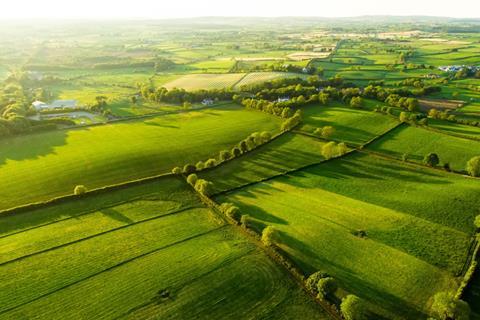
{"type": "Point", "coordinates": [148, 9]}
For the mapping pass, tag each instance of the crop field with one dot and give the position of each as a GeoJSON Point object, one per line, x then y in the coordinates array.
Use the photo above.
{"type": "Point", "coordinates": [352, 126]}
{"type": "Point", "coordinates": [115, 260]}
{"type": "Point", "coordinates": [258, 77]}
{"type": "Point", "coordinates": [205, 81]}
{"type": "Point", "coordinates": [291, 151]}
{"type": "Point", "coordinates": [415, 143]}
{"type": "Point", "coordinates": [92, 156]}
{"type": "Point", "coordinates": [318, 210]}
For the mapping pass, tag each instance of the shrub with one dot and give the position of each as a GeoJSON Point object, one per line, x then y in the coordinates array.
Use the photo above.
{"type": "Point", "coordinates": [265, 136]}
{"type": "Point", "coordinates": [313, 279]}
{"type": "Point", "coordinates": [200, 165]}
{"type": "Point", "coordinates": [243, 146]}
{"type": "Point", "coordinates": [473, 166]}
{"type": "Point", "coordinates": [244, 220]}
{"type": "Point", "coordinates": [236, 152]}
{"type": "Point", "coordinates": [328, 150]}
{"type": "Point", "coordinates": [403, 117]}
{"type": "Point", "coordinates": [177, 170]}
{"type": "Point", "coordinates": [352, 308]}
{"type": "Point", "coordinates": [80, 189]}
{"type": "Point", "coordinates": [204, 187]}
{"type": "Point", "coordinates": [210, 163]}
{"type": "Point", "coordinates": [327, 132]}
{"type": "Point", "coordinates": [233, 212]}
{"type": "Point", "coordinates": [192, 179]}
{"type": "Point", "coordinates": [477, 222]}
{"type": "Point", "coordinates": [225, 155]}
{"type": "Point", "coordinates": [268, 235]}
{"type": "Point", "coordinates": [326, 287]}
{"type": "Point", "coordinates": [446, 166]}
{"type": "Point", "coordinates": [189, 168]}
{"type": "Point", "coordinates": [431, 159]}
{"type": "Point", "coordinates": [405, 157]}
{"type": "Point", "coordinates": [446, 306]}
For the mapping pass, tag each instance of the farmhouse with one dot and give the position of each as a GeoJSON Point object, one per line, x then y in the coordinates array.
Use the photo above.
{"type": "Point", "coordinates": [283, 99]}
{"type": "Point", "coordinates": [207, 102]}
{"type": "Point", "coordinates": [57, 104]}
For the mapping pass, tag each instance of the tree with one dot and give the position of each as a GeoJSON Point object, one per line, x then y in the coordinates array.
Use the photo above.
{"type": "Point", "coordinates": [352, 308]}
{"type": "Point", "coordinates": [327, 132]}
{"type": "Point", "coordinates": [403, 117]}
{"type": "Point", "coordinates": [356, 102]}
{"type": "Point", "coordinates": [177, 170]}
{"type": "Point", "coordinates": [313, 279]}
{"type": "Point", "coordinates": [341, 149]}
{"type": "Point", "coordinates": [134, 99]}
{"type": "Point", "coordinates": [210, 163]}
{"type": "Point", "coordinates": [189, 168]}
{"type": "Point", "coordinates": [243, 146]}
{"type": "Point", "coordinates": [204, 187]}
{"type": "Point", "coordinates": [473, 166]}
{"type": "Point", "coordinates": [431, 160]}
{"type": "Point", "coordinates": [329, 150]}
{"type": "Point", "coordinates": [326, 287]}
{"type": "Point", "coordinates": [477, 222]}
{"type": "Point", "coordinates": [268, 235]}
{"type": "Point", "coordinates": [433, 113]}
{"type": "Point", "coordinates": [187, 105]}
{"type": "Point", "coordinates": [446, 306]}
{"type": "Point", "coordinates": [244, 220]}
{"type": "Point", "coordinates": [200, 165]}
{"type": "Point", "coordinates": [192, 179]}
{"type": "Point", "coordinates": [236, 152]}
{"type": "Point", "coordinates": [225, 155]}
{"type": "Point", "coordinates": [80, 189]}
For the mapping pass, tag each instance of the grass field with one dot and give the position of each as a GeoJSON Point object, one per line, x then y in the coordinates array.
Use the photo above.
{"type": "Point", "coordinates": [351, 125]}
{"type": "Point", "coordinates": [205, 81]}
{"type": "Point", "coordinates": [318, 210]}
{"type": "Point", "coordinates": [258, 77]}
{"type": "Point", "coordinates": [115, 259]}
{"type": "Point", "coordinates": [455, 128]}
{"type": "Point", "coordinates": [417, 142]}
{"type": "Point", "coordinates": [41, 166]}
{"type": "Point", "coordinates": [291, 151]}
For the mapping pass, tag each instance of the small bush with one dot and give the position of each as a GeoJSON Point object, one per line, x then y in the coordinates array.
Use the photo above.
{"type": "Point", "coordinates": [268, 235]}
{"type": "Point", "coordinates": [204, 187]}
{"type": "Point", "coordinates": [225, 155]}
{"type": "Point", "coordinates": [210, 163]}
{"type": "Point", "coordinates": [473, 166]}
{"type": "Point", "coordinates": [353, 308]}
{"type": "Point", "coordinates": [431, 160]}
{"type": "Point", "coordinates": [446, 306]}
{"type": "Point", "coordinates": [244, 220]}
{"type": "Point", "coordinates": [200, 165]}
{"type": "Point", "coordinates": [313, 279]}
{"type": "Point", "coordinates": [80, 189]}
{"type": "Point", "coordinates": [192, 179]}
{"type": "Point", "coordinates": [326, 287]}
{"type": "Point", "coordinates": [189, 168]}
{"type": "Point", "coordinates": [177, 170]}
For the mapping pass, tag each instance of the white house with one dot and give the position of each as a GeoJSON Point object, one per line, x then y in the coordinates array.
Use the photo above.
{"type": "Point", "coordinates": [57, 104]}
{"type": "Point", "coordinates": [207, 102]}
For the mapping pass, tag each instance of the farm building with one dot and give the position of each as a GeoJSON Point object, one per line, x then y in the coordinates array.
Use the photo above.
{"type": "Point", "coordinates": [207, 102]}
{"type": "Point", "coordinates": [57, 104]}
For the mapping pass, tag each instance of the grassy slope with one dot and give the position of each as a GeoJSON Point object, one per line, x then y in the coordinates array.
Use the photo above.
{"type": "Point", "coordinates": [121, 272]}
{"type": "Point", "coordinates": [455, 128]}
{"type": "Point", "coordinates": [417, 142]}
{"type": "Point", "coordinates": [351, 125]}
{"type": "Point", "coordinates": [318, 209]}
{"type": "Point", "coordinates": [288, 152]}
{"type": "Point", "coordinates": [41, 166]}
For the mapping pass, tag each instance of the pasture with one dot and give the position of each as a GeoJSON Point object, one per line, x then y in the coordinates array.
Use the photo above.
{"type": "Point", "coordinates": [416, 142]}
{"type": "Point", "coordinates": [50, 164]}
{"type": "Point", "coordinates": [289, 152]}
{"type": "Point", "coordinates": [353, 126]}
{"type": "Point", "coordinates": [415, 243]}
{"type": "Point", "coordinates": [121, 258]}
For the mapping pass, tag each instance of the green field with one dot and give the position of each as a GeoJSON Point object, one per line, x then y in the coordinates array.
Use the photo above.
{"type": "Point", "coordinates": [291, 151]}
{"type": "Point", "coordinates": [259, 77]}
{"type": "Point", "coordinates": [115, 252]}
{"type": "Point", "coordinates": [351, 125]}
{"type": "Point", "coordinates": [417, 142]}
{"type": "Point", "coordinates": [455, 128]}
{"type": "Point", "coordinates": [416, 239]}
{"type": "Point", "coordinates": [41, 166]}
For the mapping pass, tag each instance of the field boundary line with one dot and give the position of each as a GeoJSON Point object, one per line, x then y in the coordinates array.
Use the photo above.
{"type": "Point", "coordinates": [83, 213]}
{"type": "Point", "coordinates": [113, 267]}
{"type": "Point", "coordinates": [239, 80]}
{"type": "Point", "coordinates": [66, 244]}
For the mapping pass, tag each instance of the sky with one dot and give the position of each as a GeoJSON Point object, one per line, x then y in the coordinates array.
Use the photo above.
{"type": "Point", "coordinates": [116, 9]}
